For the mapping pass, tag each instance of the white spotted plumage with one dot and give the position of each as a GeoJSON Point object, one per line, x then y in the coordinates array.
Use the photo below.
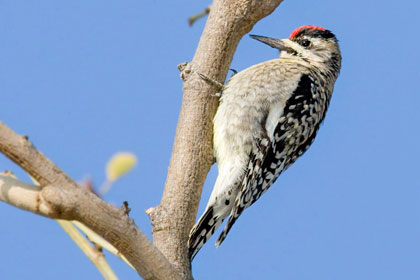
{"type": "Point", "coordinates": [268, 116]}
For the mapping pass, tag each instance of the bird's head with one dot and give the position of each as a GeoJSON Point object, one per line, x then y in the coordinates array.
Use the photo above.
{"type": "Point", "coordinates": [313, 44]}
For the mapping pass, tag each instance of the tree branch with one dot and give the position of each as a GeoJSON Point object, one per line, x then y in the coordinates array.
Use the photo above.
{"type": "Point", "coordinates": [23, 195]}
{"type": "Point", "coordinates": [192, 154]}
{"type": "Point", "coordinates": [61, 198]}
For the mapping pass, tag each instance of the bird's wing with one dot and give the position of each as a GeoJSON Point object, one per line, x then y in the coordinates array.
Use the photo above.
{"type": "Point", "coordinates": [294, 133]}
{"type": "Point", "coordinates": [256, 181]}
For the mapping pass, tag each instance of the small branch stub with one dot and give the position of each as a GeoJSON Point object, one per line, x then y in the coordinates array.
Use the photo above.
{"type": "Point", "coordinates": [185, 69]}
{"type": "Point", "coordinates": [194, 18]}
{"type": "Point", "coordinates": [125, 208]}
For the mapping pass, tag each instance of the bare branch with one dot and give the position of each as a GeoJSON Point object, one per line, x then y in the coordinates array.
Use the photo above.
{"type": "Point", "coordinates": [194, 18]}
{"type": "Point", "coordinates": [96, 256]}
{"type": "Point", "coordinates": [61, 198]}
{"type": "Point", "coordinates": [28, 197]}
{"type": "Point", "coordinates": [24, 196]}
{"type": "Point", "coordinates": [192, 154]}
{"type": "Point", "coordinates": [99, 241]}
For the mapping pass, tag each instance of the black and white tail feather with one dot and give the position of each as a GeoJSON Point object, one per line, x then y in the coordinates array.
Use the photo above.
{"type": "Point", "coordinates": [208, 222]}
{"type": "Point", "coordinates": [202, 231]}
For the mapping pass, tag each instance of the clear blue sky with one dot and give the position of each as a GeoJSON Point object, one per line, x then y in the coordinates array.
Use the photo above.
{"type": "Point", "coordinates": [84, 79]}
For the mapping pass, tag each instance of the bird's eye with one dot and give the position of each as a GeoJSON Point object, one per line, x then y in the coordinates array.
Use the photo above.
{"type": "Point", "coordinates": [305, 43]}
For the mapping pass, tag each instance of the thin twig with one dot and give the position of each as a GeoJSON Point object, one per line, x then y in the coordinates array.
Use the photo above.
{"type": "Point", "coordinates": [97, 257]}
{"type": "Point", "coordinates": [95, 238]}
{"type": "Point", "coordinates": [194, 18]}
{"type": "Point", "coordinates": [93, 253]}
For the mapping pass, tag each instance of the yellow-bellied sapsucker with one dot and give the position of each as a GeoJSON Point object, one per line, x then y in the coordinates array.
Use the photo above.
{"type": "Point", "coordinates": [268, 116]}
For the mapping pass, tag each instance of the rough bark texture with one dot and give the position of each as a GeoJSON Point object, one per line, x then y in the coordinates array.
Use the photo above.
{"type": "Point", "coordinates": [192, 154]}
{"type": "Point", "coordinates": [61, 198]}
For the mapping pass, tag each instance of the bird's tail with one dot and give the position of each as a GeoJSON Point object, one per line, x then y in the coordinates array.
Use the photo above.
{"type": "Point", "coordinates": [203, 230]}
{"type": "Point", "coordinates": [230, 222]}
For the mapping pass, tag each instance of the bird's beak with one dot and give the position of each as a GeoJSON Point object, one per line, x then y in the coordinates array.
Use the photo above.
{"type": "Point", "coordinates": [274, 43]}
{"type": "Point", "coordinates": [283, 45]}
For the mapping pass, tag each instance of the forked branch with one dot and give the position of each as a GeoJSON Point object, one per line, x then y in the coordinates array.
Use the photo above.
{"type": "Point", "coordinates": [61, 198]}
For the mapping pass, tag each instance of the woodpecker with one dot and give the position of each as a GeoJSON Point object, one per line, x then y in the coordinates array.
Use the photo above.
{"type": "Point", "coordinates": [269, 115]}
